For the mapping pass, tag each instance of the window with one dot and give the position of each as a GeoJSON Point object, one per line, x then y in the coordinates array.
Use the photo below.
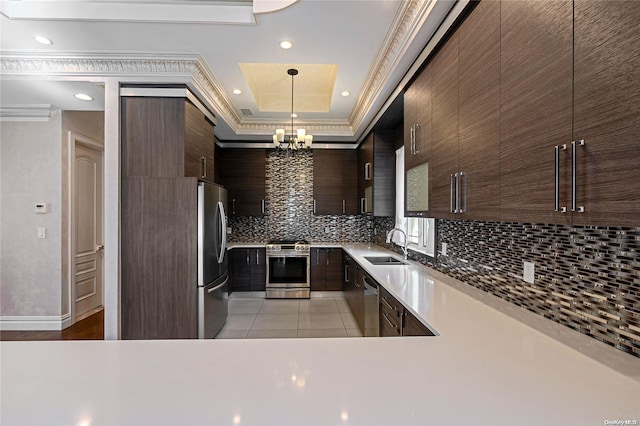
{"type": "Point", "coordinates": [421, 235]}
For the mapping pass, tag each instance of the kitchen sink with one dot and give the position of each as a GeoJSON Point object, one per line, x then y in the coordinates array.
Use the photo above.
{"type": "Point", "coordinates": [384, 260]}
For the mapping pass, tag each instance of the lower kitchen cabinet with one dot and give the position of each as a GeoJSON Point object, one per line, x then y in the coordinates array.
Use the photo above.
{"type": "Point", "coordinates": [247, 269]}
{"type": "Point", "coordinates": [413, 327]}
{"type": "Point", "coordinates": [354, 293]}
{"type": "Point", "coordinates": [326, 269]}
{"type": "Point", "coordinates": [396, 320]}
{"type": "Point", "coordinates": [390, 314]}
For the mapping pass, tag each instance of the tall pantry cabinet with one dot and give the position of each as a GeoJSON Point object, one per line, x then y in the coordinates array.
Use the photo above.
{"type": "Point", "coordinates": [167, 147]}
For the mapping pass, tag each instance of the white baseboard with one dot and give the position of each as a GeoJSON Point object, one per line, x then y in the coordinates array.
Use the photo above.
{"type": "Point", "coordinates": [35, 323]}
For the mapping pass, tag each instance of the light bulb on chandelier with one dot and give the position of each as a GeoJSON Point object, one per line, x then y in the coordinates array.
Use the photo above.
{"type": "Point", "coordinates": [298, 139]}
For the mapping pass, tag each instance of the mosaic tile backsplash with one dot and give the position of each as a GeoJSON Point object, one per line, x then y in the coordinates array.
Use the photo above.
{"type": "Point", "coordinates": [586, 277]}
{"type": "Point", "coordinates": [289, 207]}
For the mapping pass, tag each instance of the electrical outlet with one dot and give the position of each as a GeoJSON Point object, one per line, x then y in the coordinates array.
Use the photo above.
{"type": "Point", "coordinates": [228, 230]}
{"type": "Point", "coordinates": [42, 232]}
{"type": "Point", "coordinates": [444, 249]}
{"type": "Point", "coordinates": [529, 272]}
{"type": "Point", "coordinates": [327, 230]}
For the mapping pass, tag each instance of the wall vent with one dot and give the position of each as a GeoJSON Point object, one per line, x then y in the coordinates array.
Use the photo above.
{"type": "Point", "coordinates": [246, 112]}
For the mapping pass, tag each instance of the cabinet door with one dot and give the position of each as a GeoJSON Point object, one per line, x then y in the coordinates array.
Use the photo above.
{"type": "Point", "coordinates": [422, 132]}
{"type": "Point", "coordinates": [413, 327]}
{"type": "Point", "coordinates": [417, 122]}
{"type": "Point", "coordinates": [349, 161]}
{"type": "Point", "coordinates": [479, 112]}
{"type": "Point", "coordinates": [333, 277]}
{"type": "Point", "coordinates": [198, 144]}
{"type": "Point", "coordinates": [607, 112]}
{"type": "Point", "coordinates": [257, 258]}
{"type": "Point", "coordinates": [243, 173]}
{"type": "Point", "coordinates": [318, 259]}
{"type": "Point", "coordinates": [240, 269]}
{"type": "Point", "coordinates": [444, 150]}
{"type": "Point", "coordinates": [327, 182]}
{"type": "Point", "coordinates": [536, 85]}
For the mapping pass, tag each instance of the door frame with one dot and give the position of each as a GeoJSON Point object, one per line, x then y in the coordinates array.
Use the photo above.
{"type": "Point", "coordinates": [73, 139]}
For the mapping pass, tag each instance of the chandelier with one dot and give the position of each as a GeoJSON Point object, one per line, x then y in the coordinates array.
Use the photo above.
{"type": "Point", "coordinates": [298, 139]}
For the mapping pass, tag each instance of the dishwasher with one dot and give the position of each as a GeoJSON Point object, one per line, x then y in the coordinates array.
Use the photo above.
{"type": "Point", "coordinates": [371, 303]}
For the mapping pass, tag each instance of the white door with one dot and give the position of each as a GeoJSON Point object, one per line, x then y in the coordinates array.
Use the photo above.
{"type": "Point", "coordinates": [87, 230]}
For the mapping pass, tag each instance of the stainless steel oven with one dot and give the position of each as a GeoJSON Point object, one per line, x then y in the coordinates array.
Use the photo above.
{"type": "Point", "coordinates": [288, 270]}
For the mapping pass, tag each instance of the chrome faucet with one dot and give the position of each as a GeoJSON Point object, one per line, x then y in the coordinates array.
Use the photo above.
{"type": "Point", "coordinates": [404, 248]}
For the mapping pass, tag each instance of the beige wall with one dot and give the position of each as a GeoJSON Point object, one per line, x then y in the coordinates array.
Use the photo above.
{"type": "Point", "coordinates": [31, 172]}
{"type": "Point", "coordinates": [34, 168]}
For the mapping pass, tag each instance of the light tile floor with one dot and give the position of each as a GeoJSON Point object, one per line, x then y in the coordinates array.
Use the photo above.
{"type": "Point", "coordinates": [258, 318]}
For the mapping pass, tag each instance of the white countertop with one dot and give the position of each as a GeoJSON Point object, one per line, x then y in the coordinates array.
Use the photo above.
{"type": "Point", "coordinates": [484, 368]}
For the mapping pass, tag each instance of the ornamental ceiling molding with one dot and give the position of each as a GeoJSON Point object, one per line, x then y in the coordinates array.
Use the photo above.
{"type": "Point", "coordinates": [409, 18]}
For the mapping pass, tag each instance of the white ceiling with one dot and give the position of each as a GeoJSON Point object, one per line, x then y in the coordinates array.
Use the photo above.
{"type": "Point", "coordinates": [349, 33]}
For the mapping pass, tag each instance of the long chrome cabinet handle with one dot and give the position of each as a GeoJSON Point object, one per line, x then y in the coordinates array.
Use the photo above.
{"type": "Point", "coordinates": [451, 195]}
{"type": "Point", "coordinates": [203, 165]}
{"type": "Point", "coordinates": [411, 140]}
{"type": "Point", "coordinates": [386, 316]}
{"type": "Point", "coordinates": [384, 300]}
{"type": "Point", "coordinates": [415, 139]}
{"type": "Point", "coordinates": [367, 171]}
{"type": "Point", "coordinates": [574, 169]}
{"type": "Point", "coordinates": [263, 206]}
{"type": "Point", "coordinates": [457, 193]}
{"type": "Point", "coordinates": [257, 256]}
{"type": "Point", "coordinates": [233, 206]}
{"type": "Point", "coordinates": [362, 205]}
{"type": "Point", "coordinates": [314, 206]}
{"type": "Point", "coordinates": [247, 256]}
{"type": "Point", "coordinates": [346, 273]}
{"type": "Point", "coordinates": [558, 148]}
{"type": "Point", "coordinates": [463, 195]}
{"type": "Point", "coordinates": [343, 207]}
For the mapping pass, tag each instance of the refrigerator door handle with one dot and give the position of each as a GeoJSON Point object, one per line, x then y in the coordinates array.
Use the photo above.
{"type": "Point", "coordinates": [218, 287]}
{"type": "Point", "coordinates": [223, 219]}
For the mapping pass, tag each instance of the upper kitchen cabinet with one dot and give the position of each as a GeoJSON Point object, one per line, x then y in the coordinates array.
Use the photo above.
{"type": "Point", "coordinates": [443, 163]}
{"type": "Point", "coordinates": [417, 120]}
{"type": "Point", "coordinates": [243, 173]}
{"type": "Point", "coordinates": [335, 182]}
{"type": "Point", "coordinates": [177, 142]}
{"type": "Point", "coordinates": [536, 110]}
{"type": "Point", "coordinates": [479, 114]}
{"type": "Point", "coordinates": [376, 174]}
{"type": "Point", "coordinates": [606, 113]}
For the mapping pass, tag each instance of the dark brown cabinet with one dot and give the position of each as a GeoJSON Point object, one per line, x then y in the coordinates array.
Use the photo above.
{"type": "Point", "coordinates": [166, 137]}
{"type": "Point", "coordinates": [390, 311]}
{"type": "Point", "coordinates": [479, 114]}
{"type": "Point", "coordinates": [376, 174]}
{"type": "Point", "coordinates": [335, 182]}
{"type": "Point", "coordinates": [243, 173]}
{"type": "Point", "coordinates": [326, 269]}
{"type": "Point", "coordinates": [443, 163]}
{"type": "Point", "coordinates": [536, 102]}
{"type": "Point", "coordinates": [247, 269]}
{"type": "Point", "coordinates": [354, 292]}
{"type": "Point", "coordinates": [396, 320]}
{"type": "Point", "coordinates": [417, 120]}
{"type": "Point", "coordinates": [606, 113]}
{"type": "Point", "coordinates": [167, 146]}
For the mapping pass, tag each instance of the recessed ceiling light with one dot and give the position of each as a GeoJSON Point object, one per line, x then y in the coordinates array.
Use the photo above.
{"type": "Point", "coordinates": [294, 115]}
{"type": "Point", "coordinates": [286, 44]}
{"type": "Point", "coordinates": [345, 93]}
{"type": "Point", "coordinates": [83, 96]}
{"type": "Point", "coordinates": [43, 40]}
{"type": "Point", "coordinates": [237, 91]}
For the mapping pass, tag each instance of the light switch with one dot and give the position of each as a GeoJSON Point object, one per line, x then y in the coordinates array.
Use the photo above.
{"type": "Point", "coordinates": [444, 249]}
{"type": "Point", "coordinates": [42, 232]}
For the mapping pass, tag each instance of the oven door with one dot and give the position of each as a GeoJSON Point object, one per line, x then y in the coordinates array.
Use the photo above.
{"type": "Point", "coordinates": [287, 271]}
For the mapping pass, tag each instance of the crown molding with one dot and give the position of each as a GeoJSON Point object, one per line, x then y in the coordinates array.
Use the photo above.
{"type": "Point", "coordinates": [402, 33]}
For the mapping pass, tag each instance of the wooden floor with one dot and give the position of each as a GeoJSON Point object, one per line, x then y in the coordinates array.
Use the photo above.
{"type": "Point", "coordinates": [90, 328]}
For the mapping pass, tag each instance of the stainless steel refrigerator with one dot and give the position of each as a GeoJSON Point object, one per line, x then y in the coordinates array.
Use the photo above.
{"type": "Point", "coordinates": [213, 291]}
